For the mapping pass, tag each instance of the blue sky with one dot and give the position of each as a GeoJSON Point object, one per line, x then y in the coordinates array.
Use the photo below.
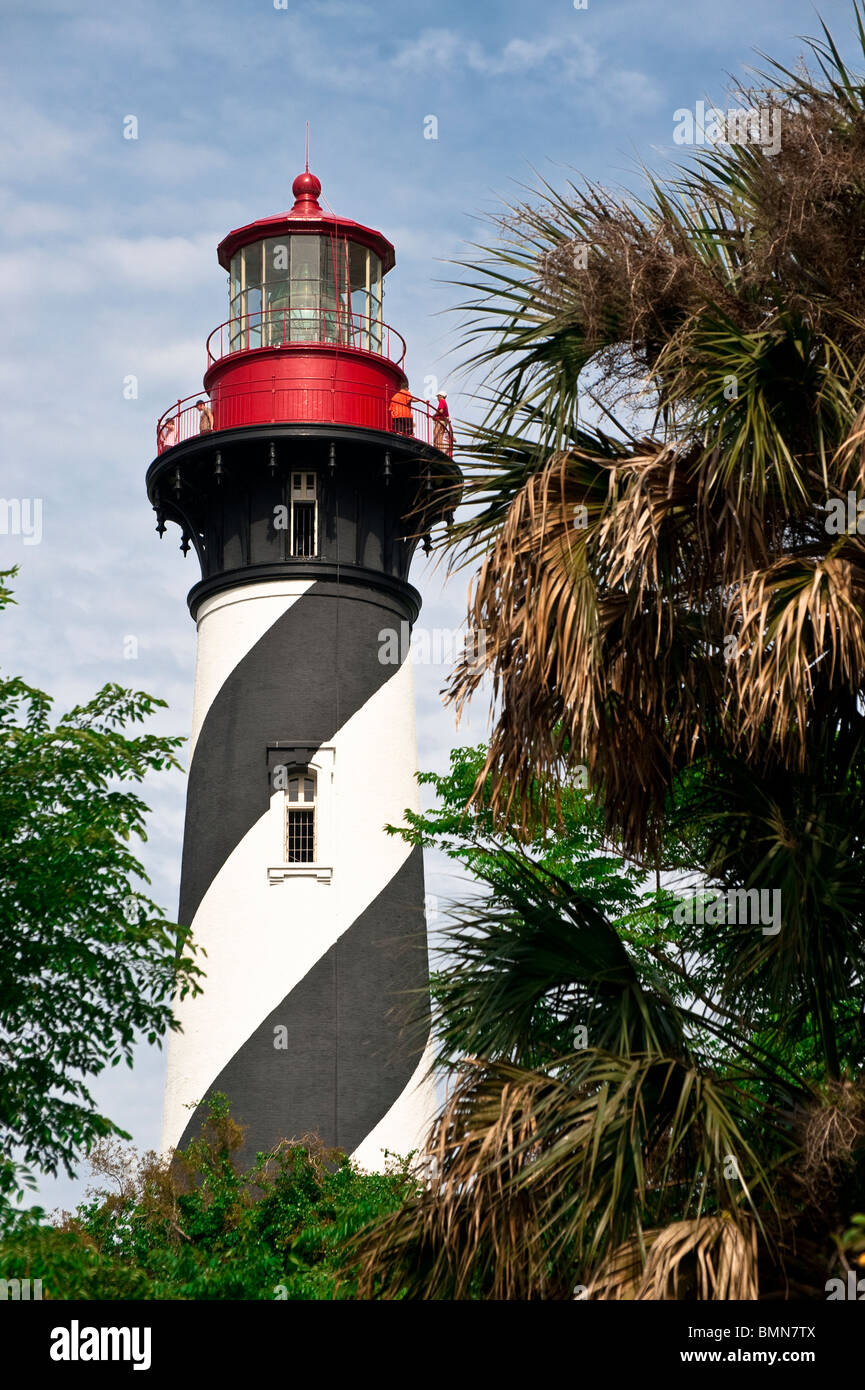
{"type": "Point", "coordinates": [109, 267]}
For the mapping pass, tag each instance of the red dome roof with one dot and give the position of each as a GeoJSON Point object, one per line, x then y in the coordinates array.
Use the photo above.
{"type": "Point", "coordinates": [306, 216]}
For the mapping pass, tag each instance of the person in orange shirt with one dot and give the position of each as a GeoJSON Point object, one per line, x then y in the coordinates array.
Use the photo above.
{"type": "Point", "coordinates": [400, 411]}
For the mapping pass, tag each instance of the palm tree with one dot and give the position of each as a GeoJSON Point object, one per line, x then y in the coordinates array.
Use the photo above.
{"type": "Point", "coordinates": [685, 597]}
{"type": "Point", "coordinates": [603, 1090]}
{"type": "Point", "coordinates": [670, 601]}
{"type": "Point", "coordinates": [700, 594]}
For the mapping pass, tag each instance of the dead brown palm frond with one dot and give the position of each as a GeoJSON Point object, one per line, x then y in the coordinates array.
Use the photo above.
{"type": "Point", "coordinates": [537, 1175]}
{"type": "Point", "coordinates": [607, 604]}
{"type": "Point", "coordinates": [800, 622]}
{"type": "Point", "coordinates": [711, 1257]}
{"type": "Point", "coordinates": [733, 296]}
{"type": "Point", "coordinates": [470, 1218]}
{"type": "Point", "coordinates": [587, 602]}
{"type": "Point", "coordinates": [621, 1273]}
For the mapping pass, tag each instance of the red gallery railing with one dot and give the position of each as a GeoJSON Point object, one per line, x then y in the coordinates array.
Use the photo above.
{"type": "Point", "coordinates": [311, 403]}
{"type": "Point", "coordinates": [333, 328]}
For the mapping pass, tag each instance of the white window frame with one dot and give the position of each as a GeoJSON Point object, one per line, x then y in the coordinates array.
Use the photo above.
{"type": "Point", "coordinates": [300, 491]}
{"type": "Point", "coordinates": [321, 868]}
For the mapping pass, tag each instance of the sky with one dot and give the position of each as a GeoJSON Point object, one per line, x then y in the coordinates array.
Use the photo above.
{"type": "Point", "coordinates": [109, 273]}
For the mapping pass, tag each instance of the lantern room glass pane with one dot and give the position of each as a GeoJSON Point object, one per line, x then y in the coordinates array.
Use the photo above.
{"type": "Point", "coordinates": [333, 290]}
{"type": "Point", "coordinates": [375, 298]}
{"type": "Point", "coordinates": [305, 289]}
{"type": "Point", "coordinates": [305, 258]}
{"type": "Point", "coordinates": [237, 327]}
{"type": "Point", "coordinates": [277, 265]}
{"type": "Point", "coordinates": [358, 270]}
{"type": "Point", "coordinates": [235, 304]}
{"type": "Point", "coordinates": [252, 263]}
{"type": "Point", "coordinates": [253, 316]}
{"type": "Point", "coordinates": [277, 284]}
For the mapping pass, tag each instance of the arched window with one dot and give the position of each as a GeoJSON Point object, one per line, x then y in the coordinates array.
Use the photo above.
{"type": "Point", "coordinates": [300, 806]}
{"type": "Point", "coordinates": [301, 829]}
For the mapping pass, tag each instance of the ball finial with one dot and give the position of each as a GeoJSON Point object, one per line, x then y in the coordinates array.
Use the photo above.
{"type": "Point", "coordinates": [306, 188]}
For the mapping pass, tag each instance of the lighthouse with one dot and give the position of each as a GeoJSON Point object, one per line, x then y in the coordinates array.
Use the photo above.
{"type": "Point", "coordinates": [303, 477]}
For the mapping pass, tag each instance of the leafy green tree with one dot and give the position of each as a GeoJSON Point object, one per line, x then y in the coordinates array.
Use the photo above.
{"type": "Point", "coordinates": [88, 962]}
{"type": "Point", "coordinates": [197, 1226]}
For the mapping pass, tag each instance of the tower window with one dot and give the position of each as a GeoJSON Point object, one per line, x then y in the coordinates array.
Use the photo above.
{"type": "Point", "coordinates": [300, 819]}
{"type": "Point", "coordinates": [304, 515]}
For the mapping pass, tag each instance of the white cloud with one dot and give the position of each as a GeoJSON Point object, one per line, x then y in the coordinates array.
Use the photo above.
{"type": "Point", "coordinates": [25, 220]}
{"type": "Point", "coordinates": [101, 264]}
{"type": "Point", "coordinates": [170, 363]}
{"type": "Point", "coordinates": [631, 91]}
{"type": "Point", "coordinates": [448, 49]}
{"type": "Point", "coordinates": [437, 48]}
{"type": "Point", "coordinates": [36, 144]}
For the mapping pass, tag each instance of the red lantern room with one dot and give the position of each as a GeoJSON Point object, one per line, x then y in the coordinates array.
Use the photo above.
{"type": "Point", "coordinates": [305, 340]}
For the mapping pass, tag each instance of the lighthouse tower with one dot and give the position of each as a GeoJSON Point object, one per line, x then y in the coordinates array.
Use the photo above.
{"type": "Point", "coordinates": [304, 488]}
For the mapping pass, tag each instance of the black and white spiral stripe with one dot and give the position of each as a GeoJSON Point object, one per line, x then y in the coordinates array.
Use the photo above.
{"type": "Point", "coordinates": [339, 968]}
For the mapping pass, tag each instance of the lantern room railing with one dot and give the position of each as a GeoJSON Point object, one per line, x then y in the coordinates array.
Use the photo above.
{"type": "Point", "coordinates": [299, 327]}
{"type": "Point", "coordinates": [284, 402]}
